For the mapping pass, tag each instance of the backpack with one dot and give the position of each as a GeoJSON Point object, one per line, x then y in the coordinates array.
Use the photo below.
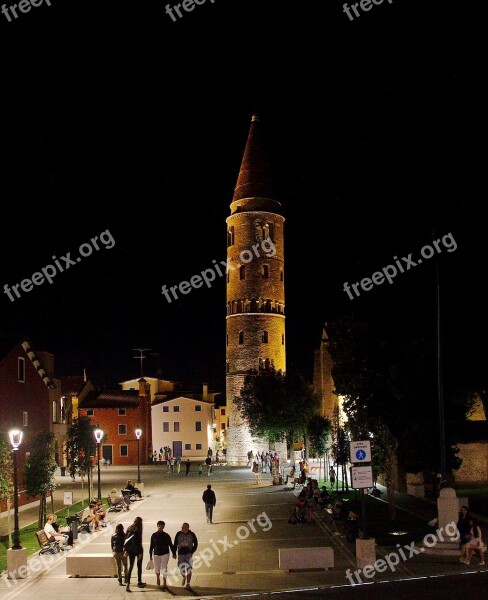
{"type": "Point", "coordinates": [130, 544]}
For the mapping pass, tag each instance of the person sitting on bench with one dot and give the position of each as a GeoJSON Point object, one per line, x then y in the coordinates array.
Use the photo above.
{"type": "Point", "coordinates": [132, 489]}
{"type": "Point", "coordinates": [99, 510]}
{"type": "Point", "coordinates": [53, 535]}
{"type": "Point", "coordinates": [65, 530]}
{"type": "Point", "coordinates": [290, 474]}
{"type": "Point", "coordinates": [122, 501]}
{"type": "Point", "coordinates": [90, 517]}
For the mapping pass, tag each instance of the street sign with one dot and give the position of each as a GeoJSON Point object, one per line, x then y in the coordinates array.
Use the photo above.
{"type": "Point", "coordinates": [68, 498]}
{"type": "Point", "coordinates": [360, 452]}
{"type": "Point", "coordinates": [361, 477]}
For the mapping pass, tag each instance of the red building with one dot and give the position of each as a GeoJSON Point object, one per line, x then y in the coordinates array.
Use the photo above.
{"type": "Point", "coordinates": [119, 413]}
{"type": "Point", "coordinates": [29, 398]}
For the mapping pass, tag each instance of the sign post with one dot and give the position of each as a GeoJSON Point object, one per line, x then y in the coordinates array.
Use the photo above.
{"type": "Point", "coordinates": [67, 499]}
{"type": "Point", "coordinates": [361, 476]}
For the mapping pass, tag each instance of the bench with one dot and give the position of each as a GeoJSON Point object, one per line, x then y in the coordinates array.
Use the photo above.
{"type": "Point", "coordinates": [302, 559]}
{"type": "Point", "coordinates": [47, 547]}
{"type": "Point", "coordinates": [91, 565]}
{"type": "Point", "coordinates": [113, 507]}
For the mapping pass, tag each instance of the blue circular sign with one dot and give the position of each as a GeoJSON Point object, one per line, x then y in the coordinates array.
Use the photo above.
{"type": "Point", "coordinates": [360, 454]}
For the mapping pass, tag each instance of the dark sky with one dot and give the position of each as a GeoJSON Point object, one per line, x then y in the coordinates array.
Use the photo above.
{"type": "Point", "coordinates": [115, 117]}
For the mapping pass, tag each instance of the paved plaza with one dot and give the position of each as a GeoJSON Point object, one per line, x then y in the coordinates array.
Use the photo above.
{"type": "Point", "coordinates": [239, 551]}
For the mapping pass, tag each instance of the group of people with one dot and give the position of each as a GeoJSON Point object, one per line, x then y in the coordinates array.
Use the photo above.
{"type": "Point", "coordinates": [262, 460]}
{"type": "Point", "coordinates": [470, 537]}
{"type": "Point", "coordinates": [127, 549]}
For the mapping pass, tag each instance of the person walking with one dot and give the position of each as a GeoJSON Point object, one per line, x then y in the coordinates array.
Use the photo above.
{"type": "Point", "coordinates": [133, 549]}
{"type": "Point", "coordinates": [160, 546]}
{"type": "Point", "coordinates": [187, 465]}
{"type": "Point", "coordinates": [463, 527]}
{"type": "Point", "coordinates": [185, 544]}
{"type": "Point", "coordinates": [200, 470]}
{"type": "Point", "coordinates": [210, 501]}
{"type": "Point", "coordinates": [117, 545]}
{"type": "Point", "coordinates": [332, 477]}
{"type": "Point", "coordinates": [208, 462]}
{"type": "Point", "coordinates": [178, 464]}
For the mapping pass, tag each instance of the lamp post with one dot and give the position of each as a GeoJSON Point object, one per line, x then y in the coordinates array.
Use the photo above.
{"type": "Point", "coordinates": [15, 436]}
{"type": "Point", "coordinates": [98, 436]}
{"type": "Point", "coordinates": [138, 436]}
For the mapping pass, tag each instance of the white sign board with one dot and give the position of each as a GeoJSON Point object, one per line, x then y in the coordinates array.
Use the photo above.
{"type": "Point", "coordinates": [361, 477]}
{"type": "Point", "coordinates": [68, 498]}
{"type": "Point", "coordinates": [360, 452]}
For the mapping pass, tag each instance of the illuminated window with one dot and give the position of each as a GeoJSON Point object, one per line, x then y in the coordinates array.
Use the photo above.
{"type": "Point", "coordinates": [230, 236]}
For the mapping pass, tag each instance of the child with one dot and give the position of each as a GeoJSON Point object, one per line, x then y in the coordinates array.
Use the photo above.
{"type": "Point", "coordinates": [200, 470]}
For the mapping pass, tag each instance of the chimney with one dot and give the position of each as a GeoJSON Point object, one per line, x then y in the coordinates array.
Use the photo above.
{"type": "Point", "coordinates": [142, 387]}
{"type": "Point", "coordinates": [205, 392]}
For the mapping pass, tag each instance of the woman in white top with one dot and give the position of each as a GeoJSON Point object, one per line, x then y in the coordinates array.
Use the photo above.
{"type": "Point", "coordinates": [51, 532]}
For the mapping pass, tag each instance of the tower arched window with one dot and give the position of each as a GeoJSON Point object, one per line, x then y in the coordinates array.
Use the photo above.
{"type": "Point", "coordinates": [267, 306]}
{"type": "Point", "coordinates": [254, 305]}
{"type": "Point", "coordinates": [282, 339]}
{"type": "Point", "coordinates": [264, 337]}
{"type": "Point", "coordinates": [265, 271]}
{"type": "Point", "coordinates": [240, 307]}
{"type": "Point", "coordinates": [241, 337]}
{"type": "Point", "coordinates": [230, 236]}
{"type": "Point", "coordinates": [242, 272]}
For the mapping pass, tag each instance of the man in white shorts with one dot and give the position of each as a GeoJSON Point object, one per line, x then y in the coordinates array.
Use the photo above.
{"type": "Point", "coordinates": [160, 546]}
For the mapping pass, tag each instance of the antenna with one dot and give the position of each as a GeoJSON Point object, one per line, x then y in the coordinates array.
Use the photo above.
{"type": "Point", "coordinates": [141, 357]}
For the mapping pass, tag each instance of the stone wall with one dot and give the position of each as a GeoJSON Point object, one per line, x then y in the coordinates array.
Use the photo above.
{"type": "Point", "coordinates": [474, 468]}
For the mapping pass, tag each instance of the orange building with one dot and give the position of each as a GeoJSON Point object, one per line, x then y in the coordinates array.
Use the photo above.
{"type": "Point", "coordinates": [119, 413]}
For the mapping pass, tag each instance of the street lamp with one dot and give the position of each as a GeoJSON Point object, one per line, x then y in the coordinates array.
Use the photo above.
{"type": "Point", "coordinates": [15, 436]}
{"type": "Point", "coordinates": [138, 436]}
{"type": "Point", "coordinates": [98, 436]}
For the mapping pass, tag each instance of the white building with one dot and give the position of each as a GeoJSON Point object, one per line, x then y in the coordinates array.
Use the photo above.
{"type": "Point", "coordinates": [184, 421]}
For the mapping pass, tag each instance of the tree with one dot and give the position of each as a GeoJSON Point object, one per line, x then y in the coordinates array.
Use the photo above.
{"type": "Point", "coordinates": [6, 485]}
{"type": "Point", "coordinates": [383, 453]}
{"type": "Point", "coordinates": [80, 448]}
{"type": "Point", "coordinates": [276, 405]}
{"type": "Point", "coordinates": [340, 448]}
{"type": "Point", "coordinates": [39, 471]}
{"type": "Point", "coordinates": [318, 433]}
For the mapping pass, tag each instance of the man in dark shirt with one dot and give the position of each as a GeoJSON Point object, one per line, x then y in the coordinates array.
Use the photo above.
{"type": "Point", "coordinates": [160, 546]}
{"type": "Point", "coordinates": [186, 544]}
{"type": "Point", "coordinates": [210, 501]}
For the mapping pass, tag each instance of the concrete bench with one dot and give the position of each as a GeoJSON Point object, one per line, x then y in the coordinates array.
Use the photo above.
{"type": "Point", "coordinates": [91, 565]}
{"type": "Point", "coordinates": [302, 559]}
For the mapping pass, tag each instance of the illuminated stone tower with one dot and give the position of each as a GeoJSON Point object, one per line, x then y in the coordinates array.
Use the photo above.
{"type": "Point", "coordinates": [255, 287]}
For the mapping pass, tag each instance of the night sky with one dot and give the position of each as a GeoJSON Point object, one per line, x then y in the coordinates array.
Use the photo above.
{"type": "Point", "coordinates": [115, 117]}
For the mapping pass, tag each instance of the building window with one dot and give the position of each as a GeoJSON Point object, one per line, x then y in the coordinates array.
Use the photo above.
{"type": "Point", "coordinates": [222, 412]}
{"type": "Point", "coordinates": [222, 426]}
{"type": "Point", "coordinates": [122, 412]}
{"type": "Point", "coordinates": [21, 369]}
{"type": "Point", "coordinates": [124, 450]}
{"type": "Point", "coordinates": [166, 426]}
{"type": "Point", "coordinates": [254, 305]}
{"type": "Point", "coordinates": [241, 337]}
{"type": "Point", "coordinates": [187, 446]}
{"type": "Point", "coordinates": [198, 447]}
{"type": "Point", "coordinates": [198, 426]}
{"type": "Point", "coordinates": [55, 411]}
{"type": "Point", "coordinates": [264, 337]}
{"type": "Point", "coordinates": [283, 339]}
{"type": "Point", "coordinates": [25, 418]}
{"type": "Point", "coordinates": [230, 236]}
{"type": "Point", "coordinates": [198, 407]}
{"type": "Point", "coordinates": [242, 272]}
{"type": "Point", "coordinates": [165, 408]}
{"type": "Point", "coordinates": [265, 271]}
{"type": "Point", "coordinates": [89, 412]}
{"type": "Point", "coordinates": [176, 409]}
{"type": "Point", "coordinates": [123, 429]}
{"type": "Point", "coordinates": [176, 426]}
